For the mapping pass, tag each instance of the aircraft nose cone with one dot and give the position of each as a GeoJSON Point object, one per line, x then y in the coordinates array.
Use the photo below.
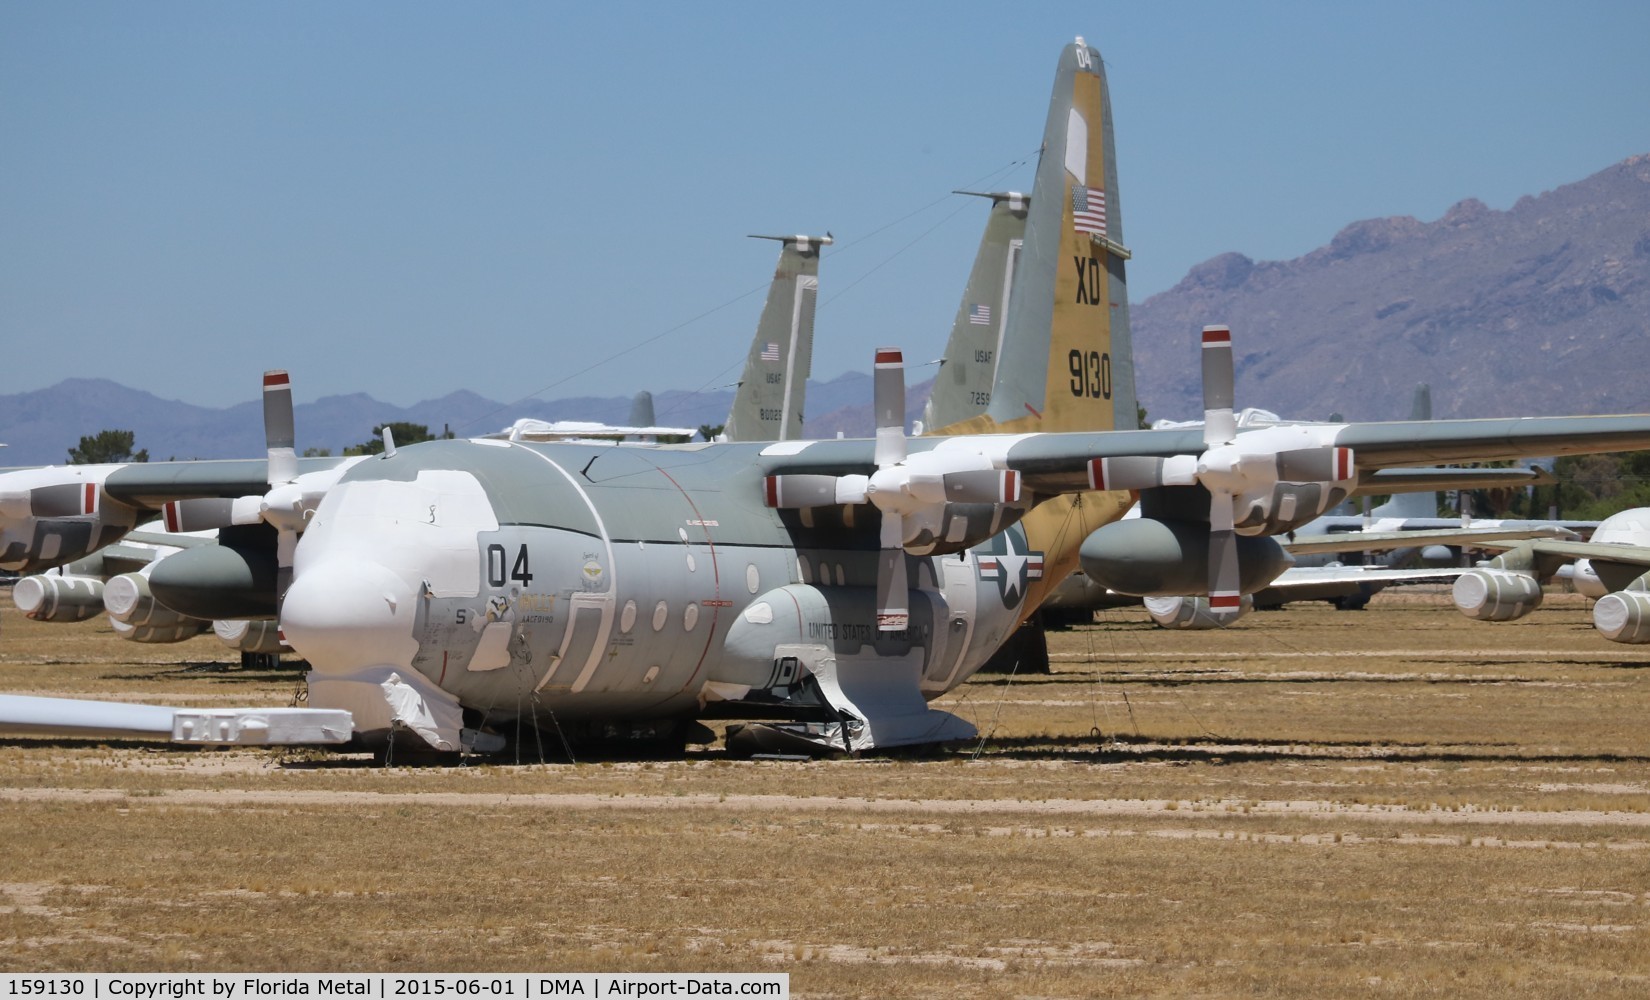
{"type": "Point", "coordinates": [342, 615]}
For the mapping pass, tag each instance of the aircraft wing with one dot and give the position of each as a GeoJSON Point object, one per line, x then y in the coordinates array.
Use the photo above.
{"type": "Point", "coordinates": [150, 485]}
{"type": "Point", "coordinates": [1631, 555]}
{"type": "Point", "coordinates": [1059, 463]}
{"type": "Point", "coordinates": [1380, 541]}
{"type": "Point", "coordinates": [1423, 442]}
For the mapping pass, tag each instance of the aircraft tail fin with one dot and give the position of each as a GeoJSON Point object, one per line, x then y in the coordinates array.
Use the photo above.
{"type": "Point", "coordinates": [1413, 504]}
{"type": "Point", "coordinates": [1066, 363]}
{"type": "Point", "coordinates": [962, 389]}
{"type": "Point", "coordinates": [768, 403]}
{"type": "Point", "coordinates": [641, 410]}
{"type": "Point", "coordinates": [1421, 407]}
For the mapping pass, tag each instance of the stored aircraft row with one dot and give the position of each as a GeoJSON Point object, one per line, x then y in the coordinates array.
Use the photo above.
{"type": "Point", "coordinates": [832, 588]}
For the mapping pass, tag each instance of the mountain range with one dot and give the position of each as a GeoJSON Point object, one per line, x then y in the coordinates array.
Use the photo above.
{"type": "Point", "coordinates": [1542, 308]}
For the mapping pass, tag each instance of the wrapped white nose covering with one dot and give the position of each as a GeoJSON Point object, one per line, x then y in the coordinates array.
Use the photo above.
{"type": "Point", "coordinates": [385, 698]}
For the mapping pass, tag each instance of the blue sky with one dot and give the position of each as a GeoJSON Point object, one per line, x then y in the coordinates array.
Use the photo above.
{"type": "Point", "coordinates": [414, 198]}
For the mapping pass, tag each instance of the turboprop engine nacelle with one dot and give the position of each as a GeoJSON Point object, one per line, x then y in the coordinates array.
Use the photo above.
{"type": "Point", "coordinates": [54, 597]}
{"type": "Point", "coordinates": [129, 602]}
{"type": "Point", "coordinates": [53, 516]}
{"type": "Point", "coordinates": [262, 636]}
{"type": "Point", "coordinates": [1285, 507]}
{"type": "Point", "coordinates": [1496, 595]}
{"type": "Point", "coordinates": [1193, 612]}
{"type": "Point", "coordinates": [956, 527]}
{"type": "Point", "coordinates": [1151, 558]}
{"type": "Point", "coordinates": [231, 580]}
{"type": "Point", "coordinates": [1624, 616]}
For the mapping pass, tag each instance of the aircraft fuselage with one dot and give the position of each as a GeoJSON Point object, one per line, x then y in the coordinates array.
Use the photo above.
{"type": "Point", "coordinates": [609, 582]}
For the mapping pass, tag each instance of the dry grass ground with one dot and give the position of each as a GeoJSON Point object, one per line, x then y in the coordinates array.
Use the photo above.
{"type": "Point", "coordinates": [1396, 802]}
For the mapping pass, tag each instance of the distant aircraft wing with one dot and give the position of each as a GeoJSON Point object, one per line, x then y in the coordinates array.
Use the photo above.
{"type": "Point", "coordinates": [1379, 541]}
{"type": "Point", "coordinates": [1317, 576]}
{"type": "Point", "coordinates": [1630, 555]}
{"type": "Point", "coordinates": [528, 429]}
{"type": "Point", "coordinates": [1423, 480]}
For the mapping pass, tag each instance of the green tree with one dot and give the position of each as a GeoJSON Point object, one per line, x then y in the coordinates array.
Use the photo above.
{"type": "Point", "coordinates": [709, 432]}
{"type": "Point", "coordinates": [106, 447]}
{"type": "Point", "coordinates": [401, 431]}
{"type": "Point", "coordinates": [1592, 487]}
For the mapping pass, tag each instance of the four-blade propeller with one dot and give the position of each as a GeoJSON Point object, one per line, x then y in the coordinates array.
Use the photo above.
{"type": "Point", "coordinates": [910, 491]}
{"type": "Point", "coordinates": [285, 507]}
{"type": "Point", "coordinates": [1240, 476]}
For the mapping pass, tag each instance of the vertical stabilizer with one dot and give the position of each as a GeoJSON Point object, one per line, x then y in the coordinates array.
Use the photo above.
{"type": "Point", "coordinates": [1066, 362]}
{"type": "Point", "coordinates": [962, 389]}
{"type": "Point", "coordinates": [768, 403]}
{"type": "Point", "coordinates": [1413, 504]}
{"type": "Point", "coordinates": [641, 410]}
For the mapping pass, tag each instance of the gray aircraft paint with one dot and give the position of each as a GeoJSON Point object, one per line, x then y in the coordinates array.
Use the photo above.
{"type": "Point", "coordinates": [962, 389]}
{"type": "Point", "coordinates": [767, 406]}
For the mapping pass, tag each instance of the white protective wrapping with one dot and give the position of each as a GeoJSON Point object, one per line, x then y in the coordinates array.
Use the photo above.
{"type": "Point", "coordinates": [381, 699]}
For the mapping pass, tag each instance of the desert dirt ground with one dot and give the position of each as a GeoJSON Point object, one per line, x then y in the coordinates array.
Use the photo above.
{"type": "Point", "coordinates": [1394, 802]}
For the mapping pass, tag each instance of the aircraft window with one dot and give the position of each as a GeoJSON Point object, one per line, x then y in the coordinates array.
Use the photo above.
{"type": "Point", "coordinates": [803, 569]}
{"type": "Point", "coordinates": [651, 675]}
{"type": "Point", "coordinates": [660, 613]}
{"type": "Point", "coordinates": [841, 577]}
{"type": "Point", "coordinates": [693, 564]}
{"type": "Point", "coordinates": [753, 579]}
{"type": "Point", "coordinates": [690, 617]}
{"type": "Point", "coordinates": [627, 618]}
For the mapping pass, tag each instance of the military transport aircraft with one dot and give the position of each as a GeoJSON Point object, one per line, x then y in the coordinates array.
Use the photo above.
{"type": "Point", "coordinates": [114, 579]}
{"type": "Point", "coordinates": [835, 586]}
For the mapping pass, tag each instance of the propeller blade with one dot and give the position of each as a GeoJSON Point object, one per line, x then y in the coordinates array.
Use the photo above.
{"type": "Point", "coordinates": [1315, 465]}
{"type": "Point", "coordinates": [1219, 426]}
{"type": "Point", "coordinates": [1225, 597]}
{"type": "Point", "coordinates": [203, 514]}
{"type": "Point", "coordinates": [279, 436]}
{"type": "Point", "coordinates": [983, 486]}
{"type": "Point", "coordinates": [888, 392]}
{"type": "Point", "coordinates": [893, 596]}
